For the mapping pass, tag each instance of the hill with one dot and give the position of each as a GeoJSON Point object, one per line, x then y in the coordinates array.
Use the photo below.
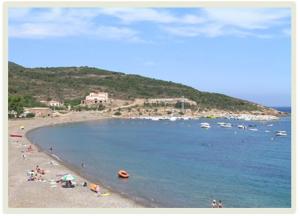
{"type": "Point", "coordinates": [74, 83]}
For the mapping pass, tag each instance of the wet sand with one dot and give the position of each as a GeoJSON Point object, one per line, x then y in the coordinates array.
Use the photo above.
{"type": "Point", "coordinates": [38, 194]}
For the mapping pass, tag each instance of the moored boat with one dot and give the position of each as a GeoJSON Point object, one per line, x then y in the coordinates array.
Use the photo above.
{"type": "Point", "coordinates": [242, 127]}
{"type": "Point", "coordinates": [281, 133]}
{"type": "Point", "coordinates": [204, 125]}
{"type": "Point", "coordinates": [226, 125]}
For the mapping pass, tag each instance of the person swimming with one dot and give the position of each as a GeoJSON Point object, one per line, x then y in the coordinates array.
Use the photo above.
{"type": "Point", "coordinates": [220, 204]}
{"type": "Point", "coordinates": [214, 204]}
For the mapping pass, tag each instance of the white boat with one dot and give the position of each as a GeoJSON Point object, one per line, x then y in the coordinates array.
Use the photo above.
{"type": "Point", "coordinates": [281, 133]}
{"type": "Point", "coordinates": [226, 125]}
{"type": "Point", "coordinates": [204, 125]}
{"type": "Point", "coordinates": [253, 129]}
{"type": "Point", "coordinates": [242, 127]}
{"type": "Point", "coordinates": [221, 123]}
{"type": "Point", "coordinates": [173, 118]}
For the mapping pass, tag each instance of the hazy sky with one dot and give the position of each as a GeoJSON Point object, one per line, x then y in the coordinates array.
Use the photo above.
{"type": "Point", "coordinates": [243, 53]}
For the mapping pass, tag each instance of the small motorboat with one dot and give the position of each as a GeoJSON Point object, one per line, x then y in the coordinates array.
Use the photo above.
{"type": "Point", "coordinates": [15, 135]}
{"type": "Point", "coordinates": [242, 127]}
{"type": "Point", "coordinates": [281, 133]}
{"type": "Point", "coordinates": [204, 125]}
{"type": "Point", "coordinates": [226, 125]}
{"type": "Point", "coordinates": [173, 118]}
{"type": "Point", "coordinates": [253, 129]}
{"type": "Point", "coordinates": [123, 174]}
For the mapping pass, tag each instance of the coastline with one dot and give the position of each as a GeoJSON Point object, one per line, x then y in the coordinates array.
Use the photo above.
{"type": "Point", "coordinates": [27, 194]}
{"type": "Point", "coordinates": [42, 157]}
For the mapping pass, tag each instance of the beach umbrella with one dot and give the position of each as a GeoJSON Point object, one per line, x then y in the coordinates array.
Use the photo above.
{"type": "Point", "coordinates": [68, 177]}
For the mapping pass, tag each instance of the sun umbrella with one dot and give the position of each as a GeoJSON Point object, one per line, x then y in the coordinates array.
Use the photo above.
{"type": "Point", "coordinates": [68, 177]}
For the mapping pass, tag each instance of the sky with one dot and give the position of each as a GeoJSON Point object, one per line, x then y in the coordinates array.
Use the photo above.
{"type": "Point", "coordinates": [241, 52]}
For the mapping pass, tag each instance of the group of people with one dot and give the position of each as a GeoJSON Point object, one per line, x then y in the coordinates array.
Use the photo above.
{"type": "Point", "coordinates": [216, 204]}
{"type": "Point", "coordinates": [36, 174]}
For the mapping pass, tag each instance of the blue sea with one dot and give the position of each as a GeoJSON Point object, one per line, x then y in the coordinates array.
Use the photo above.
{"type": "Point", "coordinates": [179, 164]}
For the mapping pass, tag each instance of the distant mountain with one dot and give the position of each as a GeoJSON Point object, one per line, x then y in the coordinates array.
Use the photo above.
{"type": "Point", "coordinates": [67, 83]}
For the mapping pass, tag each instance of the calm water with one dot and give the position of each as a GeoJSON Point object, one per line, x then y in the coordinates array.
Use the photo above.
{"type": "Point", "coordinates": [179, 164]}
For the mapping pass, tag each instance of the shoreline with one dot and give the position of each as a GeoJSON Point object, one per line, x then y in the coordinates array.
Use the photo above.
{"type": "Point", "coordinates": [84, 196]}
{"type": "Point", "coordinates": [74, 117]}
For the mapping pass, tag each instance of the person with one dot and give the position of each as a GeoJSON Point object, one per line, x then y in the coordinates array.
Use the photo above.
{"type": "Point", "coordinates": [31, 176]}
{"type": "Point", "coordinates": [29, 149]}
{"type": "Point", "coordinates": [214, 204]}
{"type": "Point", "coordinates": [39, 170]}
{"type": "Point", "coordinates": [69, 184]}
{"type": "Point", "coordinates": [82, 164]}
{"type": "Point", "coordinates": [51, 149]}
{"type": "Point", "coordinates": [84, 184]}
{"type": "Point", "coordinates": [97, 189]}
{"type": "Point", "coordinates": [24, 156]}
{"type": "Point", "coordinates": [40, 178]}
{"type": "Point", "coordinates": [220, 204]}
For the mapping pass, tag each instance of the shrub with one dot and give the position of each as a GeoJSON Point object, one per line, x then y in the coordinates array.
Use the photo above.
{"type": "Point", "coordinates": [30, 115]}
{"type": "Point", "coordinates": [117, 113]}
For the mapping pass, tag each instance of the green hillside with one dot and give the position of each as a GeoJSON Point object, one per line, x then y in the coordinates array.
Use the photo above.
{"type": "Point", "coordinates": [69, 83]}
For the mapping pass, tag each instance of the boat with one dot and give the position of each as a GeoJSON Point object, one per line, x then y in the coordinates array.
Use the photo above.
{"type": "Point", "coordinates": [15, 135]}
{"type": "Point", "coordinates": [226, 125]}
{"type": "Point", "coordinates": [281, 133]}
{"type": "Point", "coordinates": [204, 125]}
{"type": "Point", "coordinates": [173, 118]}
{"type": "Point", "coordinates": [211, 117]}
{"type": "Point", "coordinates": [123, 174]}
{"type": "Point", "coordinates": [242, 127]}
{"type": "Point", "coordinates": [253, 129]}
{"type": "Point", "coordinates": [155, 118]}
{"type": "Point", "coordinates": [94, 187]}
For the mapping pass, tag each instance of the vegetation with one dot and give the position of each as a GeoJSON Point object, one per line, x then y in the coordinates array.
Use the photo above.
{"type": "Point", "coordinates": [17, 103]}
{"type": "Point", "coordinates": [118, 113]}
{"type": "Point", "coordinates": [71, 84]}
{"type": "Point", "coordinates": [30, 115]}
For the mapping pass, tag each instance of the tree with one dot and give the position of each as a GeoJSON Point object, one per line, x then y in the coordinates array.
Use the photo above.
{"type": "Point", "coordinates": [118, 113]}
{"type": "Point", "coordinates": [16, 103]}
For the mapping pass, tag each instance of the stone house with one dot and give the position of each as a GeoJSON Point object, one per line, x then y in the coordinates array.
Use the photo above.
{"type": "Point", "coordinates": [95, 98]}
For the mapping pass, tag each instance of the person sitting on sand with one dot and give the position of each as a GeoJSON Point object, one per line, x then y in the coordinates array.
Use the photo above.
{"type": "Point", "coordinates": [29, 149]}
{"type": "Point", "coordinates": [40, 178]}
{"type": "Point", "coordinates": [31, 175]}
{"type": "Point", "coordinates": [39, 170]}
{"type": "Point", "coordinates": [69, 184]}
{"type": "Point", "coordinates": [214, 204]}
{"type": "Point", "coordinates": [220, 204]}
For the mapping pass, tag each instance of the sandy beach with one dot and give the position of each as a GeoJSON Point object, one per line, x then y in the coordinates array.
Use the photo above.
{"type": "Point", "coordinates": [47, 194]}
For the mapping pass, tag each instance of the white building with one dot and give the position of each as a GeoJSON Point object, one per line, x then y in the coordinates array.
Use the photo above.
{"type": "Point", "coordinates": [52, 103]}
{"type": "Point", "coordinates": [95, 98]}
